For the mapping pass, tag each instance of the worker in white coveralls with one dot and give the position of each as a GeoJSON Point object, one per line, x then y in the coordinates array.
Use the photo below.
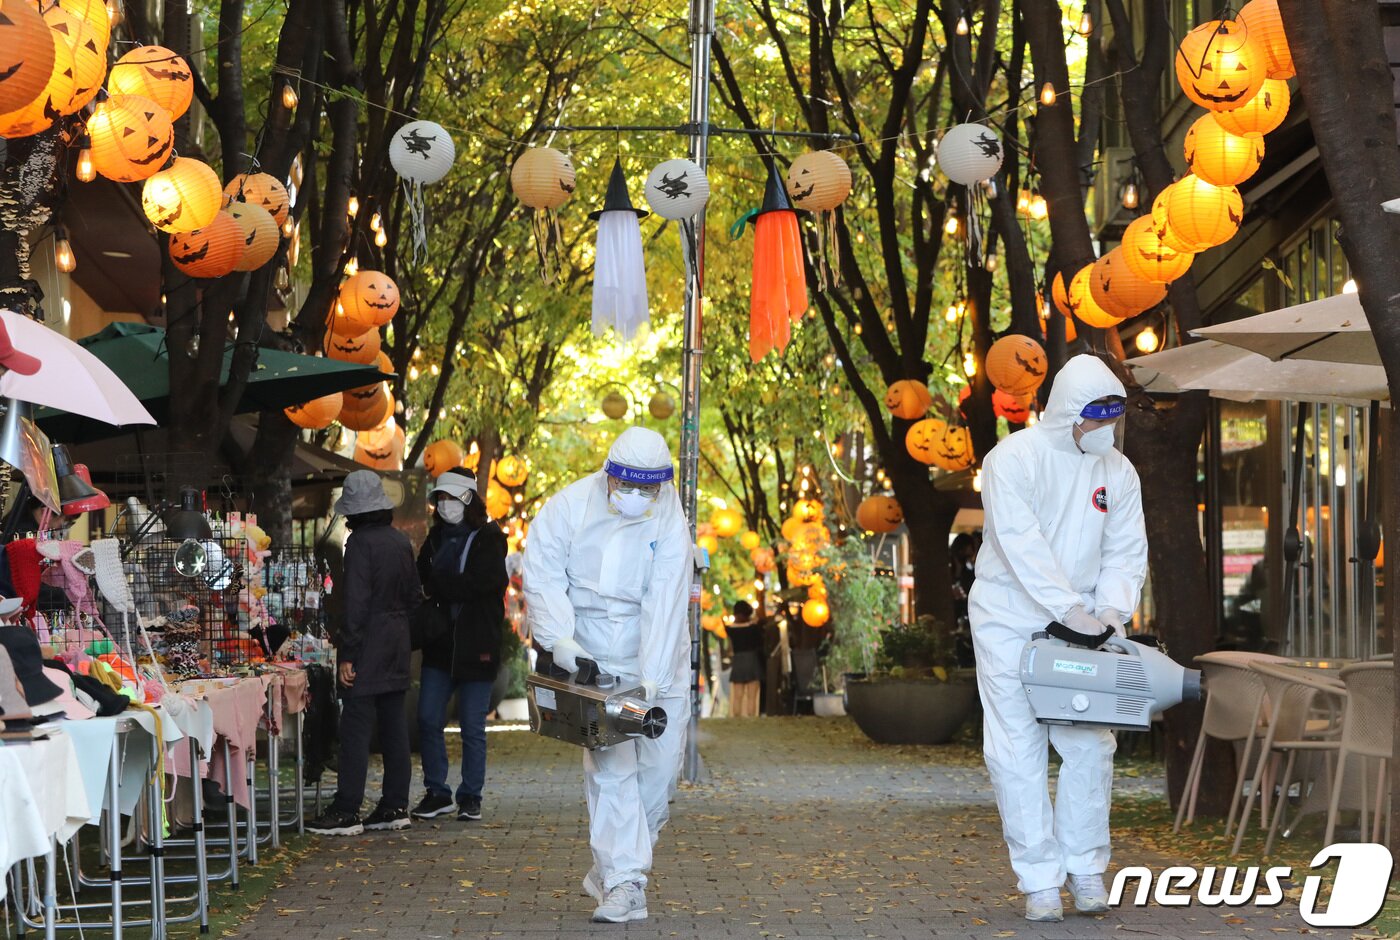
{"type": "Point", "coordinates": [607, 577]}
{"type": "Point", "coordinates": [1064, 542]}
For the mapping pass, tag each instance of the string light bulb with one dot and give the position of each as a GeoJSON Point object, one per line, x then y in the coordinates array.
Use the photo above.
{"type": "Point", "coordinates": [1047, 94]}
{"type": "Point", "coordinates": [1350, 286]}
{"type": "Point", "coordinates": [352, 206]}
{"type": "Point", "coordinates": [1023, 201]}
{"type": "Point", "coordinates": [1086, 23]}
{"type": "Point", "coordinates": [381, 238]}
{"type": "Point", "coordinates": [289, 95]}
{"type": "Point", "coordinates": [374, 222]}
{"type": "Point", "coordinates": [977, 480]}
{"type": "Point", "coordinates": [1130, 195]}
{"type": "Point", "coordinates": [969, 364]}
{"type": "Point", "coordinates": [991, 264]}
{"type": "Point", "coordinates": [1147, 340]}
{"type": "Point", "coordinates": [352, 267]}
{"type": "Point", "coordinates": [85, 172]}
{"type": "Point", "coordinates": [962, 26]}
{"type": "Point", "coordinates": [63, 251]}
{"type": "Point", "coordinates": [951, 225]}
{"type": "Point", "coordinates": [1039, 207]}
{"type": "Point", "coordinates": [288, 227]}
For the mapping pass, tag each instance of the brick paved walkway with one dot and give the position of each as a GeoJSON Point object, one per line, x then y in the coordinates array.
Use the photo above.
{"type": "Point", "coordinates": [806, 831]}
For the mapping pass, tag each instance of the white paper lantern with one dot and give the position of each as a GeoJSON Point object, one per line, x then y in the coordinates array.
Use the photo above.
{"type": "Point", "coordinates": [422, 152]}
{"type": "Point", "coordinates": [677, 189]}
{"type": "Point", "coordinates": [970, 153]}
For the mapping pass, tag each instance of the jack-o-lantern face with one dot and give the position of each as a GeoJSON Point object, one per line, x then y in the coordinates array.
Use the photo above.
{"type": "Point", "coordinates": [441, 456]}
{"type": "Point", "coordinates": [261, 189]}
{"type": "Point", "coordinates": [261, 235]}
{"type": "Point", "coordinates": [381, 448]}
{"type": "Point", "coordinates": [879, 514]}
{"type": "Point", "coordinates": [1220, 157]}
{"type": "Point", "coordinates": [908, 399]}
{"type": "Point", "coordinates": [157, 73]}
{"type": "Point", "coordinates": [818, 181]}
{"type": "Point", "coordinates": [808, 510]}
{"type": "Point", "coordinates": [367, 300]}
{"type": "Point", "coordinates": [26, 55]}
{"type": "Point", "coordinates": [366, 407]}
{"type": "Point", "coordinates": [208, 252]}
{"type": "Point", "coordinates": [952, 450]}
{"type": "Point", "coordinates": [317, 413]}
{"type": "Point", "coordinates": [362, 349]}
{"type": "Point", "coordinates": [131, 138]}
{"type": "Point", "coordinates": [40, 113]}
{"type": "Point", "coordinates": [1016, 364]}
{"type": "Point", "coordinates": [923, 437]}
{"type": "Point", "coordinates": [82, 32]}
{"type": "Point", "coordinates": [1260, 114]}
{"type": "Point", "coordinates": [1015, 410]}
{"type": "Point", "coordinates": [1220, 66]}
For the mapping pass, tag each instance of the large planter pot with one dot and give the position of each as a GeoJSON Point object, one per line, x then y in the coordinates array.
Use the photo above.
{"type": "Point", "coordinates": [911, 711]}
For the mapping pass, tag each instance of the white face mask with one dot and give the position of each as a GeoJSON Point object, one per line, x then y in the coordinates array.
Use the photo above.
{"type": "Point", "coordinates": [451, 511]}
{"type": "Point", "coordinates": [630, 505]}
{"type": "Point", "coordinates": [1098, 441]}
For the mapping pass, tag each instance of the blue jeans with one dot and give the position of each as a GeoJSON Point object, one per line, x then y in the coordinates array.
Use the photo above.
{"type": "Point", "coordinates": [473, 702]}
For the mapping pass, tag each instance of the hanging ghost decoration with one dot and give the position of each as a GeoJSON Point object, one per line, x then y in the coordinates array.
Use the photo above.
{"type": "Point", "coordinates": [421, 152]}
{"type": "Point", "coordinates": [619, 274]}
{"type": "Point", "coordinates": [779, 294]}
{"type": "Point", "coordinates": [678, 189]}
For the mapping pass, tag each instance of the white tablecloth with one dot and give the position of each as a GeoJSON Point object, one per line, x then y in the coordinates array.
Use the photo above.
{"type": "Point", "coordinates": [41, 798]}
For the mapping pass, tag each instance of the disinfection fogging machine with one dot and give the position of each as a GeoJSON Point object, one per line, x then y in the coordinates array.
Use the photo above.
{"type": "Point", "coordinates": [588, 708]}
{"type": "Point", "coordinates": [1120, 686]}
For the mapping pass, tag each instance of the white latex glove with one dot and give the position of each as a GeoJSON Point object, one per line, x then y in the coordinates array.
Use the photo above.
{"type": "Point", "coordinates": [1081, 621]}
{"type": "Point", "coordinates": [650, 689]}
{"type": "Point", "coordinates": [1117, 621]}
{"type": "Point", "coordinates": [567, 653]}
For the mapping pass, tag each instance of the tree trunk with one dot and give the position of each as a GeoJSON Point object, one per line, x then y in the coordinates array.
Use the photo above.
{"type": "Point", "coordinates": [928, 523]}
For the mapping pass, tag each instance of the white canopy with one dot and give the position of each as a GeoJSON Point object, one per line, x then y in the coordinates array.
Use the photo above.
{"type": "Point", "coordinates": [1333, 329]}
{"type": "Point", "coordinates": [1240, 375]}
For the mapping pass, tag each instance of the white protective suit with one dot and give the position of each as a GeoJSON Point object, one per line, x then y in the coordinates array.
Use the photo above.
{"type": "Point", "coordinates": [1063, 529]}
{"type": "Point", "coordinates": [620, 588]}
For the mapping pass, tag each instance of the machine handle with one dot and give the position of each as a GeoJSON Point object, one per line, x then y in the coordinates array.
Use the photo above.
{"type": "Point", "coordinates": [1074, 638]}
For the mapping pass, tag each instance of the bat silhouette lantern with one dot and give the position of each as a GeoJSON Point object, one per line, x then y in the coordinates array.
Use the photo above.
{"type": "Point", "coordinates": [678, 189]}
{"type": "Point", "coordinates": [421, 152]}
{"type": "Point", "coordinates": [619, 273]}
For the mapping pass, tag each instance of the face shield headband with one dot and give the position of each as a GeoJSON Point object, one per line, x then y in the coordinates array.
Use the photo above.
{"type": "Point", "coordinates": [1104, 411]}
{"type": "Point", "coordinates": [637, 475]}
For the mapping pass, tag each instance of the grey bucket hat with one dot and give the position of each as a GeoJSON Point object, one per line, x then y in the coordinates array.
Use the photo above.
{"type": "Point", "coordinates": [362, 492]}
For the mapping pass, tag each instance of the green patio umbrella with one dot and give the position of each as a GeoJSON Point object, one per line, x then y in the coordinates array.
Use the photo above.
{"type": "Point", "coordinates": [138, 354]}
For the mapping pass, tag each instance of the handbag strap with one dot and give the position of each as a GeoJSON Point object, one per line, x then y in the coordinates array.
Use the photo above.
{"type": "Point", "coordinates": [462, 562]}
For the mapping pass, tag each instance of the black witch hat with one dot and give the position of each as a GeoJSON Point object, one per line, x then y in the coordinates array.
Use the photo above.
{"type": "Point", "coordinates": [617, 197]}
{"type": "Point", "coordinates": [775, 197]}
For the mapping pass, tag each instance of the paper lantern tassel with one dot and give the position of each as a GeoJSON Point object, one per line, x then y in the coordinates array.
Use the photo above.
{"type": "Point", "coordinates": [619, 272]}
{"type": "Point", "coordinates": [779, 293]}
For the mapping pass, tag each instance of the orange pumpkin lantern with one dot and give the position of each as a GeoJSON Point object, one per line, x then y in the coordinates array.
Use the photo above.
{"type": "Point", "coordinates": [1150, 259]}
{"type": "Point", "coordinates": [38, 114]}
{"type": "Point", "coordinates": [261, 189]}
{"type": "Point", "coordinates": [183, 197]}
{"type": "Point", "coordinates": [1016, 364]}
{"type": "Point", "coordinates": [512, 470]}
{"type": "Point", "coordinates": [1219, 157]}
{"type": "Point", "coordinates": [1199, 215]}
{"type": "Point", "coordinates": [317, 413]}
{"type": "Point", "coordinates": [1120, 292]}
{"type": "Point", "coordinates": [1081, 298]}
{"type": "Point", "coordinates": [212, 251]}
{"type": "Point", "coordinates": [727, 523]}
{"type": "Point", "coordinates": [366, 407]}
{"type": "Point", "coordinates": [157, 73]}
{"type": "Point", "coordinates": [260, 235]}
{"type": "Point", "coordinates": [131, 138]}
{"type": "Point", "coordinates": [815, 613]}
{"type": "Point", "coordinates": [498, 501]}
{"type": "Point", "coordinates": [83, 29]}
{"type": "Point", "coordinates": [1260, 114]}
{"type": "Point", "coordinates": [1059, 293]}
{"type": "Point", "coordinates": [952, 449]}
{"type": "Point", "coordinates": [879, 514]}
{"type": "Point", "coordinates": [1220, 65]}
{"type": "Point", "coordinates": [362, 349]}
{"type": "Point", "coordinates": [1265, 26]}
{"type": "Point", "coordinates": [1015, 409]}
{"type": "Point", "coordinates": [26, 55]}
{"type": "Point", "coordinates": [763, 560]}
{"type": "Point", "coordinates": [381, 448]}
{"type": "Point", "coordinates": [923, 437]}
{"type": "Point", "coordinates": [441, 456]}
{"type": "Point", "coordinates": [908, 399]}
{"type": "Point", "coordinates": [367, 299]}
{"type": "Point", "coordinates": [750, 540]}
{"type": "Point", "coordinates": [808, 510]}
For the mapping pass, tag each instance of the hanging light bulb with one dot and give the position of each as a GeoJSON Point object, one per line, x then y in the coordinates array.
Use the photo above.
{"type": "Point", "coordinates": [977, 480]}
{"type": "Point", "coordinates": [951, 225]}
{"type": "Point", "coordinates": [1086, 23]}
{"type": "Point", "coordinates": [352, 267]}
{"type": "Point", "coordinates": [1130, 195]}
{"type": "Point", "coordinates": [352, 206]}
{"type": "Point", "coordinates": [1047, 94]}
{"type": "Point", "coordinates": [1023, 201]}
{"type": "Point", "coordinates": [85, 170]}
{"type": "Point", "coordinates": [289, 96]}
{"type": "Point", "coordinates": [962, 26]}
{"type": "Point", "coordinates": [283, 280]}
{"type": "Point", "coordinates": [296, 171]}
{"type": "Point", "coordinates": [1147, 340]}
{"type": "Point", "coordinates": [63, 258]}
{"type": "Point", "coordinates": [1039, 207]}
{"type": "Point", "coordinates": [380, 238]}
{"type": "Point", "coordinates": [990, 265]}
{"type": "Point", "coordinates": [374, 222]}
{"type": "Point", "coordinates": [969, 364]}
{"type": "Point", "coordinates": [1350, 286]}
{"type": "Point", "coordinates": [951, 314]}
{"type": "Point", "coordinates": [288, 227]}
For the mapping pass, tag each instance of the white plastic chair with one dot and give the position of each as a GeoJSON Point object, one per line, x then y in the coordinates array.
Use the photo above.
{"type": "Point", "coordinates": [1234, 699]}
{"type": "Point", "coordinates": [1367, 732]}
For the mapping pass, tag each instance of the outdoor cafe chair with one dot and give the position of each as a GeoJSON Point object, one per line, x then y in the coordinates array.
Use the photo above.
{"type": "Point", "coordinates": [1292, 695]}
{"type": "Point", "coordinates": [1234, 696]}
{"type": "Point", "coordinates": [1367, 732]}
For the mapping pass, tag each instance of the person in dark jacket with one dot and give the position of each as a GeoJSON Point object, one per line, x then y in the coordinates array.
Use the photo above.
{"type": "Point", "coordinates": [380, 587]}
{"type": "Point", "coordinates": [462, 565]}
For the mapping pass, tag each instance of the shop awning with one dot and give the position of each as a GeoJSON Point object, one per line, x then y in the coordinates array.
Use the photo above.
{"type": "Point", "coordinates": [1240, 375]}
{"type": "Point", "coordinates": [1333, 329]}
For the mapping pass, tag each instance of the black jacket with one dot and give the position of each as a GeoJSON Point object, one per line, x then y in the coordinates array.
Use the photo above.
{"type": "Point", "coordinates": [474, 647]}
{"type": "Point", "coordinates": [379, 589]}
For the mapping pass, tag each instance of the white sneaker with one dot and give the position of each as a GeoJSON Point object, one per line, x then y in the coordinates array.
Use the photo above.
{"type": "Point", "coordinates": [593, 884]}
{"type": "Point", "coordinates": [625, 903]}
{"type": "Point", "coordinates": [1044, 906]}
{"type": "Point", "coordinates": [1090, 895]}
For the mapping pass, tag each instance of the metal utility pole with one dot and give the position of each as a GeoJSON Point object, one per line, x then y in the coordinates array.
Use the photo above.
{"type": "Point", "coordinates": [702, 27]}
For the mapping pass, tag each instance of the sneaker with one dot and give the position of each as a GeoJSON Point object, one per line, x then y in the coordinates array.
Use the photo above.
{"type": "Point", "coordinates": [469, 809]}
{"type": "Point", "coordinates": [433, 804]}
{"type": "Point", "coordinates": [384, 817]}
{"type": "Point", "coordinates": [1090, 895]}
{"type": "Point", "coordinates": [334, 822]}
{"type": "Point", "coordinates": [1044, 906]}
{"type": "Point", "coordinates": [593, 884]}
{"type": "Point", "coordinates": [624, 904]}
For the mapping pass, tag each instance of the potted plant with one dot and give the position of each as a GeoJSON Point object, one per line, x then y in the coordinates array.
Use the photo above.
{"type": "Point", "coordinates": [862, 604]}
{"type": "Point", "coordinates": [508, 695]}
{"type": "Point", "coordinates": [916, 694]}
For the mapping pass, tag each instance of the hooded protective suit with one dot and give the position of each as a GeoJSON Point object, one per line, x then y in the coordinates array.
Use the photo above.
{"type": "Point", "coordinates": [1064, 533]}
{"type": "Point", "coordinates": [619, 588]}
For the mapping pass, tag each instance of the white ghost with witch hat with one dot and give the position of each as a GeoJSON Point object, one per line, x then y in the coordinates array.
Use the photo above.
{"type": "Point", "coordinates": [619, 274]}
